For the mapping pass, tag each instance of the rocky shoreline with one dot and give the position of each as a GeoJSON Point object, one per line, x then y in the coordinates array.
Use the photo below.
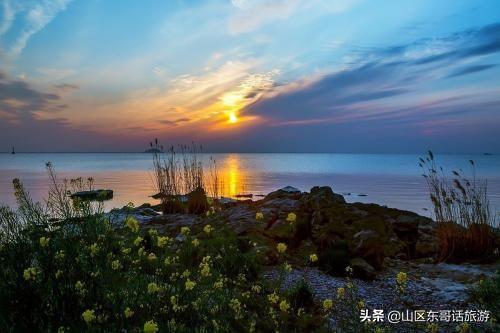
{"type": "Point", "coordinates": [377, 242]}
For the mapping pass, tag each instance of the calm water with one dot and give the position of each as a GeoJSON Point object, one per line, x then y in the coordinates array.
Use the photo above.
{"type": "Point", "coordinates": [392, 180]}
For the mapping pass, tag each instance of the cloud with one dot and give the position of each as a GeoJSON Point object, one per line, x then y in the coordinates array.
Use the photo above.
{"type": "Point", "coordinates": [251, 15]}
{"type": "Point", "coordinates": [18, 100]}
{"type": "Point", "coordinates": [65, 87]}
{"type": "Point", "coordinates": [466, 44]}
{"type": "Point", "coordinates": [471, 69]}
{"type": "Point", "coordinates": [174, 122]}
{"type": "Point", "coordinates": [385, 89]}
{"type": "Point", "coordinates": [35, 16]}
{"type": "Point", "coordinates": [8, 17]}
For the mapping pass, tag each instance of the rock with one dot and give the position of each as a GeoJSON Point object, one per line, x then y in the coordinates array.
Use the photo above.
{"type": "Point", "coordinates": [369, 245]}
{"type": "Point", "coordinates": [417, 234]}
{"type": "Point", "coordinates": [320, 198]}
{"type": "Point", "coordinates": [227, 201]}
{"type": "Point", "coordinates": [241, 219]}
{"type": "Point", "coordinates": [280, 230]}
{"type": "Point", "coordinates": [291, 189]}
{"type": "Point", "coordinates": [285, 192]}
{"type": "Point", "coordinates": [427, 244]}
{"type": "Point", "coordinates": [282, 204]}
{"type": "Point", "coordinates": [362, 269]}
{"type": "Point", "coordinates": [172, 223]}
{"type": "Point", "coordinates": [246, 195]}
{"type": "Point", "coordinates": [93, 195]}
{"type": "Point", "coordinates": [197, 201]}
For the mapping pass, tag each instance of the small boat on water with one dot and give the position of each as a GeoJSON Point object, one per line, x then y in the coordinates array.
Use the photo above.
{"type": "Point", "coordinates": [13, 151]}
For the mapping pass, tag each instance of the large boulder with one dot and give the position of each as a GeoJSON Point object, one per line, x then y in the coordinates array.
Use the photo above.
{"type": "Point", "coordinates": [369, 245]}
{"type": "Point", "coordinates": [320, 198]}
{"type": "Point", "coordinates": [285, 192]}
{"type": "Point", "coordinates": [362, 269]}
{"type": "Point", "coordinates": [427, 244]}
{"type": "Point", "coordinates": [241, 219]}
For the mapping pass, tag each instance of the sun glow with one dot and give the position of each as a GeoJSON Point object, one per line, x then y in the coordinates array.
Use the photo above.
{"type": "Point", "coordinates": [232, 118]}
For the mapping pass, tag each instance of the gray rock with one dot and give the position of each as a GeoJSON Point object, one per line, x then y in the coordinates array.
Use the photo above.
{"type": "Point", "coordinates": [368, 245]}
{"type": "Point", "coordinates": [240, 218]}
{"type": "Point", "coordinates": [362, 269]}
{"type": "Point", "coordinates": [291, 189]}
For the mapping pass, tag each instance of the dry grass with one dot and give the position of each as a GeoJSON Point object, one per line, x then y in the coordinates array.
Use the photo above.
{"type": "Point", "coordinates": [462, 209]}
{"type": "Point", "coordinates": [180, 172]}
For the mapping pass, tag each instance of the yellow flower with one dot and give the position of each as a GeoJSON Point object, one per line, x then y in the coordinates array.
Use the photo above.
{"type": "Point", "coordinates": [138, 241]}
{"type": "Point", "coordinates": [79, 285]}
{"type": "Point", "coordinates": [60, 255]}
{"type": "Point", "coordinates": [259, 216]}
{"type": "Point", "coordinates": [58, 274]}
{"type": "Point", "coordinates": [327, 304]}
{"type": "Point", "coordinates": [361, 305]}
{"type": "Point", "coordinates": [30, 273]}
{"type": "Point", "coordinates": [284, 306]}
{"type": "Point", "coordinates": [190, 284]}
{"type": "Point", "coordinates": [115, 264]}
{"type": "Point", "coordinates": [186, 273]}
{"type": "Point", "coordinates": [205, 269]}
{"type": "Point", "coordinates": [94, 248]}
{"type": "Point", "coordinates": [167, 261]}
{"type": "Point", "coordinates": [141, 251]}
{"type": "Point", "coordinates": [432, 327]}
{"type": "Point", "coordinates": [463, 328]}
{"type": "Point", "coordinates": [273, 298]}
{"type": "Point", "coordinates": [340, 292]}
{"type": "Point", "coordinates": [185, 231]}
{"type": "Point", "coordinates": [150, 327]}
{"type": "Point", "coordinates": [162, 241]}
{"type": "Point", "coordinates": [195, 242]}
{"type": "Point", "coordinates": [153, 288]}
{"type": "Point", "coordinates": [287, 267]}
{"type": "Point", "coordinates": [44, 241]}
{"type": "Point", "coordinates": [235, 305]}
{"type": "Point", "coordinates": [281, 247]}
{"type": "Point", "coordinates": [313, 257]}
{"type": "Point", "coordinates": [152, 257]}
{"type": "Point", "coordinates": [218, 284]}
{"type": "Point", "coordinates": [291, 217]}
{"type": "Point", "coordinates": [88, 316]}
{"type": "Point", "coordinates": [207, 229]}
{"type": "Point", "coordinates": [132, 224]}
{"type": "Point", "coordinates": [401, 280]}
{"type": "Point", "coordinates": [128, 313]}
{"type": "Point", "coordinates": [153, 232]}
{"type": "Point", "coordinates": [126, 250]}
{"type": "Point", "coordinates": [256, 288]}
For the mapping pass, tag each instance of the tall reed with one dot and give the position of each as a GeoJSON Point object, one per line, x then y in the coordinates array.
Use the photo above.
{"type": "Point", "coordinates": [177, 173]}
{"type": "Point", "coordinates": [462, 209]}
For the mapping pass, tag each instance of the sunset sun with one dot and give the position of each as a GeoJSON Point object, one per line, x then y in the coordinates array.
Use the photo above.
{"type": "Point", "coordinates": [232, 118]}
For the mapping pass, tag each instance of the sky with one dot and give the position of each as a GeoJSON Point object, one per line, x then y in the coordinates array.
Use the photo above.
{"type": "Point", "coordinates": [347, 76]}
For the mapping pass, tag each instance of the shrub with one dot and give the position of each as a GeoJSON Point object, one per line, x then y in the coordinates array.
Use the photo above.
{"type": "Point", "coordinates": [83, 275]}
{"type": "Point", "coordinates": [487, 294]}
{"type": "Point", "coordinates": [300, 295]}
{"type": "Point", "coordinates": [335, 258]}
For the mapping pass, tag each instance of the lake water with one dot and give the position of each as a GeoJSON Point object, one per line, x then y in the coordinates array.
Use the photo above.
{"type": "Point", "coordinates": [392, 180]}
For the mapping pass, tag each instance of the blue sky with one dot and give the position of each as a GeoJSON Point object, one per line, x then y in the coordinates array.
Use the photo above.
{"type": "Point", "coordinates": [276, 75]}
